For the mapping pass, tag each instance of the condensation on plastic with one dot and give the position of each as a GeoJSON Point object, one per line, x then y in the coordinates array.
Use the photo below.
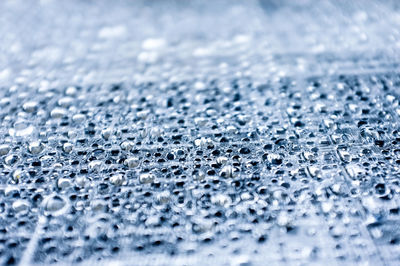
{"type": "Point", "coordinates": [191, 132]}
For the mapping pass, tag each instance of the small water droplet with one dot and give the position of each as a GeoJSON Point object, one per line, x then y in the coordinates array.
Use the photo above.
{"type": "Point", "coordinates": [118, 179]}
{"type": "Point", "coordinates": [36, 147]}
{"type": "Point", "coordinates": [146, 178]}
{"type": "Point", "coordinates": [55, 205]}
{"type": "Point", "coordinates": [4, 149]}
{"type": "Point", "coordinates": [20, 205]}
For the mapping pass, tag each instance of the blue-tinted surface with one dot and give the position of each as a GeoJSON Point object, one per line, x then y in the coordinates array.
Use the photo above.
{"type": "Point", "coordinates": [169, 132]}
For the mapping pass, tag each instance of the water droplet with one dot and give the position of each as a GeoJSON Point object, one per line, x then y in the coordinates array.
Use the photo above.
{"type": "Point", "coordinates": [78, 118]}
{"type": "Point", "coordinates": [95, 165]}
{"type": "Point", "coordinates": [20, 205]}
{"type": "Point", "coordinates": [200, 121]}
{"type": "Point", "coordinates": [36, 147]}
{"type": "Point", "coordinates": [18, 176]}
{"type": "Point", "coordinates": [65, 102]}
{"type": "Point", "coordinates": [275, 159]}
{"type": "Point", "coordinates": [153, 43]}
{"type": "Point", "coordinates": [11, 159]}
{"type": "Point", "coordinates": [118, 179]}
{"type": "Point", "coordinates": [55, 205]}
{"type": "Point", "coordinates": [63, 183]}
{"type": "Point", "coordinates": [58, 112]}
{"type": "Point", "coordinates": [21, 129]}
{"type": "Point", "coordinates": [106, 133]}
{"type": "Point", "coordinates": [132, 162]}
{"type": "Point", "coordinates": [30, 107]}
{"type": "Point", "coordinates": [71, 91]}
{"type": "Point", "coordinates": [222, 160]}
{"type": "Point", "coordinates": [229, 171]}
{"type": "Point", "coordinates": [221, 200]}
{"type": "Point", "coordinates": [163, 197]}
{"type": "Point", "coordinates": [67, 147]}
{"type": "Point", "coordinates": [4, 149]}
{"type": "Point", "coordinates": [146, 178]}
{"type": "Point", "coordinates": [201, 142]}
{"type": "Point", "coordinates": [98, 205]}
{"type": "Point", "coordinates": [198, 175]}
{"type": "Point", "coordinates": [127, 145]}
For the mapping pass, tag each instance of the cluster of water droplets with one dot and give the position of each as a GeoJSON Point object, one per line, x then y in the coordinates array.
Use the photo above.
{"type": "Point", "coordinates": [239, 150]}
{"type": "Point", "coordinates": [173, 174]}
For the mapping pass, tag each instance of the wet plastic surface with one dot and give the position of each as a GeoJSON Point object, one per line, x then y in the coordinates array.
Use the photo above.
{"type": "Point", "coordinates": [230, 133]}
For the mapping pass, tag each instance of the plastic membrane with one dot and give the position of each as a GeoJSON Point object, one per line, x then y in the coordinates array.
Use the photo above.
{"type": "Point", "coordinates": [196, 132]}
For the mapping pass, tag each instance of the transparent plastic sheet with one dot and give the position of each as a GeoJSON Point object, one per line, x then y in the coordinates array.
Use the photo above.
{"type": "Point", "coordinates": [196, 132]}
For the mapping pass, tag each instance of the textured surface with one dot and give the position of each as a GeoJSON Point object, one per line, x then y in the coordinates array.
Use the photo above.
{"type": "Point", "coordinates": [232, 133]}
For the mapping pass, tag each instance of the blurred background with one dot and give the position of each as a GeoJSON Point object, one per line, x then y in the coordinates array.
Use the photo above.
{"type": "Point", "coordinates": [87, 41]}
